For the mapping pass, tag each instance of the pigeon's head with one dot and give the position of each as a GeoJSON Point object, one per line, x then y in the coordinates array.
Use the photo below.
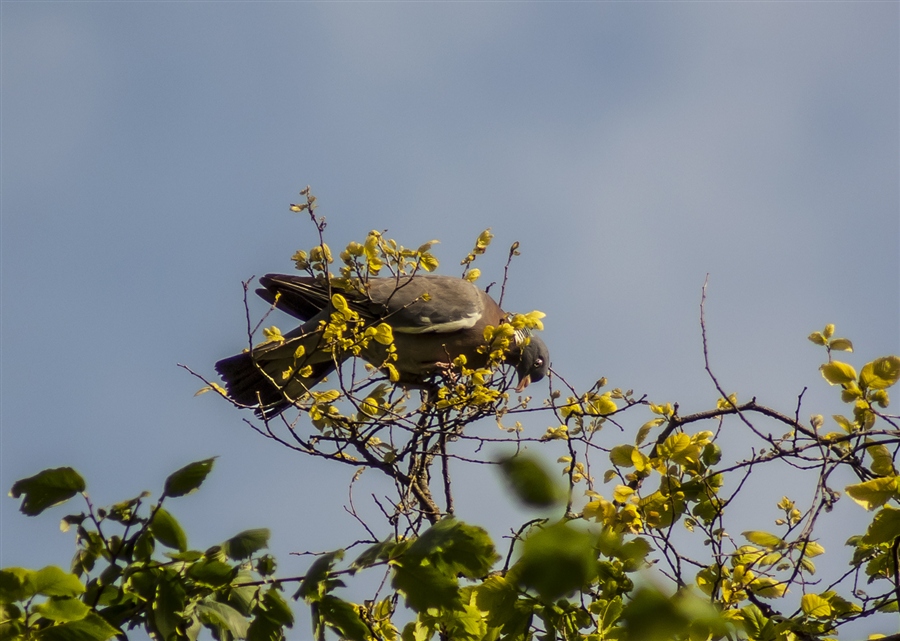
{"type": "Point", "coordinates": [534, 363]}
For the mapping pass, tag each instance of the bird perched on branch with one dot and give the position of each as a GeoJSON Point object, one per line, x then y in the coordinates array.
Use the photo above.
{"type": "Point", "coordinates": [433, 320]}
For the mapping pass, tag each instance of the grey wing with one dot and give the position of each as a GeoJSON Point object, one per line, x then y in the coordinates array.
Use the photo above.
{"type": "Point", "coordinates": [428, 304]}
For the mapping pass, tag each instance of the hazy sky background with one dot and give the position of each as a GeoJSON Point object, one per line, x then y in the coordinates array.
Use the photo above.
{"type": "Point", "coordinates": [150, 150]}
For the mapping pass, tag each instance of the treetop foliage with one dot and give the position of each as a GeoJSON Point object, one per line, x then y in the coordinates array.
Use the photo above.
{"type": "Point", "coordinates": [634, 537]}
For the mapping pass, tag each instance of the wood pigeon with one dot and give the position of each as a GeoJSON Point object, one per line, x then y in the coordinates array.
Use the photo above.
{"type": "Point", "coordinates": [434, 319]}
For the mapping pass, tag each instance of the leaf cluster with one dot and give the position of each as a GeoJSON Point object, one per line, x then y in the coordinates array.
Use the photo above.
{"type": "Point", "coordinates": [133, 569]}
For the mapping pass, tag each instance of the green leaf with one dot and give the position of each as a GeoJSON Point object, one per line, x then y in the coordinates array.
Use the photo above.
{"type": "Point", "coordinates": [838, 373]}
{"type": "Point", "coordinates": [556, 560]}
{"type": "Point", "coordinates": [530, 481]}
{"type": "Point", "coordinates": [763, 538]}
{"type": "Point", "coordinates": [167, 531]}
{"type": "Point", "coordinates": [424, 586]}
{"type": "Point", "coordinates": [378, 553]}
{"type": "Point", "coordinates": [884, 528]}
{"type": "Point", "coordinates": [754, 621]}
{"type": "Point", "coordinates": [277, 608]}
{"type": "Point", "coordinates": [497, 597]}
{"type": "Point", "coordinates": [223, 616]}
{"type": "Point", "coordinates": [244, 544]}
{"type": "Point", "coordinates": [212, 573]}
{"type": "Point", "coordinates": [53, 581]}
{"type": "Point", "coordinates": [455, 546]}
{"type": "Point", "coordinates": [874, 493]}
{"type": "Point", "coordinates": [651, 616]}
{"type": "Point", "coordinates": [93, 627]}
{"type": "Point", "coordinates": [16, 584]}
{"type": "Point", "coordinates": [263, 628]}
{"type": "Point", "coordinates": [46, 489]}
{"type": "Point", "coordinates": [62, 609]}
{"type": "Point", "coordinates": [343, 618]}
{"type": "Point", "coordinates": [188, 478]}
{"type": "Point", "coordinates": [880, 373]}
{"type": "Point", "coordinates": [314, 584]}
{"type": "Point", "coordinates": [168, 605]}
{"type": "Point", "coordinates": [815, 606]}
{"type": "Point", "coordinates": [272, 616]}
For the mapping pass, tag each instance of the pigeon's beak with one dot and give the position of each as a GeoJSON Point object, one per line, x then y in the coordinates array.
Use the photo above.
{"type": "Point", "coordinates": [525, 382]}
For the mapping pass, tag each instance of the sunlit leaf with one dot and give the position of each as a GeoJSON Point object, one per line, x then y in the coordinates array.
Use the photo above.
{"type": "Point", "coordinates": [882, 461]}
{"type": "Point", "coordinates": [874, 493]}
{"type": "Point", "coordinates": [768, 588]}
{"type": "Point", "coordinates": [91, 627]}
{"type": "Point", "coordinates": [880, 373]}
{"type": "Point", "coordinates": [838, 373]}
{"type": "Point", "coordinates": [620, 455]}
{"type": "Point", "coordinates": [815, 606]}
{"type": "Point", "coordinates": [841, 344]}
{"type": "Point", "coordinates": [764, 539]}
{"type": "Point", "coordinates": [885, 526]}
{"type": "Point", "coordinates": [62, 609]}
{"type": "Point", "coordinates": [818, 338]}
{"type": "Point", "coordinates": [644, 429]}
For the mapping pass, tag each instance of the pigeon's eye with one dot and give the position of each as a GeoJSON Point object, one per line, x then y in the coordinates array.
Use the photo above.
{"type": "Point", "coordinates": [538, 362]}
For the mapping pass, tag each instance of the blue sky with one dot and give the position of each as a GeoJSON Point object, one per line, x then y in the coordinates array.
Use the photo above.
{"type": "Point", "coordinates": [150, 150]}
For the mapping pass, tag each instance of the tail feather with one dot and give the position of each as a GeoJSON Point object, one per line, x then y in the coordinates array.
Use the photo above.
{"type": "Point", "coordinates": [251, 382]}
{"type": "Point", "coordinates": [300, 296]}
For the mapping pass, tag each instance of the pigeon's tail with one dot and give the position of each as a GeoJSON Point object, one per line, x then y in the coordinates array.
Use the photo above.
{"type": "Point", "coordinates": [269, 382]}
{"type": "Point", "coordinates": [302, 297]}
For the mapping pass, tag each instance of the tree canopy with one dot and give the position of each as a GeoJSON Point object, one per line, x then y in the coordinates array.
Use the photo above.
{"type": "Point", "coordinates": [632, 506]}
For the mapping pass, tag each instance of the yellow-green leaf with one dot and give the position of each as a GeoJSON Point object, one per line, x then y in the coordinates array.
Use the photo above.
{"type": "Point", "coordinates": [882, 462]}
{"type": "Point", "coordinates": [813, 549]}
{"type": "Point", "coordinates": [874, 493]}
{"type": "Point", "coordinates": [885, 526]}
{"type": "Point", "coordinates": [645, 429]}
{"type": "Point", "coordinates": [764, 539]}
{"type": "Point", "coordinates": [472, 275]}
{"type": "Point", "coordinates": [880, 373]}
{"type": "Point", "coordinates": [768, 588]}
{"type": "Point", "coordinates": [425, 247]}
{"type": "Point", "coordinates": [838, 373]}
{"type": "Point", "coordinates": [817, 338]}
{"type": "Point", "coordinates": [845, 424]}
{"type": "Point", "coordinates": [428, 262]}
{"type": "Point", "coordinates": [815, 606]}
{"type": "Point", "coordinates": [622, 493]}
{"type": "Point", "coordinates": [620, 455]}
{"type": "Point", "coordinates": [841, 344]}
